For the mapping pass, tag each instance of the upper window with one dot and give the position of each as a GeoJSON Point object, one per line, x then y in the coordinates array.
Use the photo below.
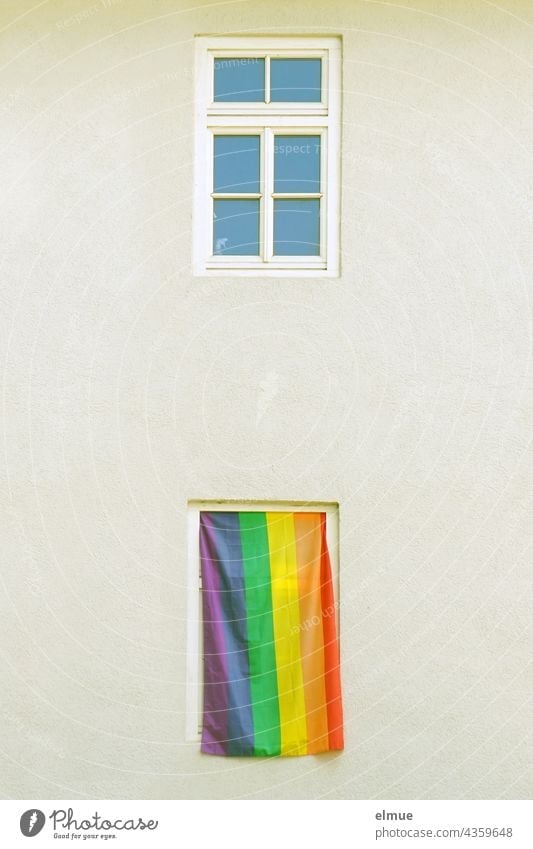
{"type": "Point", "coordinates": [267, 156]}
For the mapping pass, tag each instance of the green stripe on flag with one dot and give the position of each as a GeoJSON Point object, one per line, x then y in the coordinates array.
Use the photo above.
{"type": "Point", "coordinates": [260, 625]}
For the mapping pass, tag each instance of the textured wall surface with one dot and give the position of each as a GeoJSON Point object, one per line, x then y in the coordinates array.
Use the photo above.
{"type": "Point", "coordinates": [399, 389]}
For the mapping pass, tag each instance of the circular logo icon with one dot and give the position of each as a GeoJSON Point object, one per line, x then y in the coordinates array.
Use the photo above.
{"type": "Point", "coordinates": [32, 822]}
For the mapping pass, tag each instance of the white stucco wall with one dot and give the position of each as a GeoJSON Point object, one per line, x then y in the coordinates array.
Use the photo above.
{"type": "Point", "coordinates": [401, 391]}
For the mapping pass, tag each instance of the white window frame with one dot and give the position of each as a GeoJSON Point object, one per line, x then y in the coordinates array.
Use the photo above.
{"type": "Point", "coordinates": [267, 119]}
{"type": "Point", "coordinates": [194, 665]}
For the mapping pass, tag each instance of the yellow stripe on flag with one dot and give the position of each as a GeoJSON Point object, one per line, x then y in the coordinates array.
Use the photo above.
{"type": "Point", "coordinates": [286, 615]}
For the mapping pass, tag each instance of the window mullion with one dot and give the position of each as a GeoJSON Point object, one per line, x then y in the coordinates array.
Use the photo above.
{"type": "Point", "coordinates": [267, 79]}
{"type": "Point", "coordinates": [268, 188]}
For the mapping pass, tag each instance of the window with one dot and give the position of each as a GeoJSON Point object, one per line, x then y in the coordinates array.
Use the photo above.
{"type": "Point", "coordinates": [270, 683]}
{"type": "Point", "coordinates": [267, 156]}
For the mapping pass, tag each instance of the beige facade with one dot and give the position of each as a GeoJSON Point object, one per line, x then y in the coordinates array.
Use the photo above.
{"type": "Point", "coordinates": [399, 390]}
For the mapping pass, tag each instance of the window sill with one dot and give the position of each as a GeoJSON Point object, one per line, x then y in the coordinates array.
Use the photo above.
{"type": "Point", "coordinates": [261, 271]}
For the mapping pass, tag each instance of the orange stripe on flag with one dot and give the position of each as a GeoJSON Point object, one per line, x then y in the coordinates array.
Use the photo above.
{"type": "Point", "coordinates": [308, 536]}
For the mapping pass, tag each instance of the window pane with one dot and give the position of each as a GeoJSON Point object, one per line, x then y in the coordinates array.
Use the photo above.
{"type": "Point", "coordinates": [239, 80]}
{"type": "Point", "coordinates": [236, 227]}
{"type": "Point", "coordinates": [297, 164]}
{"type": "Point", "coordinates": [236, 166]}
{"type": "Point", "coordinates": [295, 80]}
{"type": "Point", "coordinates": [296, 227]}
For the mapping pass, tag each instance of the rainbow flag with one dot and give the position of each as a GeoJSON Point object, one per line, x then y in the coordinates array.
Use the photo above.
{"type": "Point", "coordinates": [271, 658]}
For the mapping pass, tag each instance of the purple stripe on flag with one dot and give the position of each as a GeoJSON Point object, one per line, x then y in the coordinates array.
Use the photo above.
{"type": "Point", "coordinates": [223, 542]}
{"type": "Point", "coordinates": [215, 715]}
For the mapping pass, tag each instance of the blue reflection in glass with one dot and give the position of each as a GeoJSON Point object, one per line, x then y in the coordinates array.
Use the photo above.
{"type": "Point", "coordinates": [236, 227]}
{"type": "Point", "coordinates": [236, 165]}
{"type": "Point", "coordinates": [297, 164]}
{"type": "Point", "coordinates": [296, 227]}
{"type": "Point", "coordinates": [239, 80]}
{"type": "Point", "coordinates": [295, 80]}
